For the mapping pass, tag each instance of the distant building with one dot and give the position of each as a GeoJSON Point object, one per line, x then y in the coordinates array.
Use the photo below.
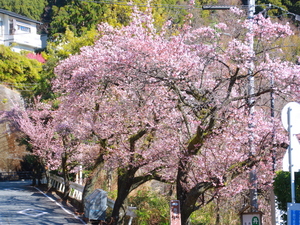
{"type": "Point", "coordinates": [20, 30]}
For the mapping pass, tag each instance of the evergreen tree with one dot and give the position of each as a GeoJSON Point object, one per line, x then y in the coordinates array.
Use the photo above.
{"type": "Point", "coordinates": [282, 190]}
{"type": "Point", "coordinates": [292, 6]}
{"type": "Point", "coordinates": [80, 16]}
{"type": "Point", "coordinates": [31, 8]}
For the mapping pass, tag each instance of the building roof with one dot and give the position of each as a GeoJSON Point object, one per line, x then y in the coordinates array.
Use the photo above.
{"type": "Point", "coordinates": [12, 14]}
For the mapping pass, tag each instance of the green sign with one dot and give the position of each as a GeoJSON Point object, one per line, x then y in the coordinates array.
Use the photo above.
{"type": "Point", "coordinates": [251, 219]}
{"type": "Point", "coordinates": [255, 220]}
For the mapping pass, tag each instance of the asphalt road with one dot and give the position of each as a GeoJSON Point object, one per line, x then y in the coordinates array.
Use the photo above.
{"type": "Point", "coordinates": [22, 204]}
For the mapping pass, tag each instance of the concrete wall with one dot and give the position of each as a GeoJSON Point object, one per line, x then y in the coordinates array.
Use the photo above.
{"type": "Point", "coordinates": [11, 153]}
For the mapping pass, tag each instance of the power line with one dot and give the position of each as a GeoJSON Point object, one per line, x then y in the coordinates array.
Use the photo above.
{"type": "Point", "coordinates": [141, 4]}
{"type": "Point", "coordinates": [137, 4]}
{"type": "Point", "coordinates": [187, 6]}
{"type": "Point", "coordinates": [134, 4]}
{"type": "Point", "coordinates": [297, 17]}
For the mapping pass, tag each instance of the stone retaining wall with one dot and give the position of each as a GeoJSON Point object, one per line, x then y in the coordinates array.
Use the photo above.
{"type": "Point", "coordinates": [10, 151]}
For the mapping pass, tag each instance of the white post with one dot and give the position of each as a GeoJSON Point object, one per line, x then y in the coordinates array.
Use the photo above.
{"type": "Point", "coordinates": [291, 166]}
{"type": "Point", "coordinates": [290, 117]}
{"type": "Point", "coordinates": [80, 175]}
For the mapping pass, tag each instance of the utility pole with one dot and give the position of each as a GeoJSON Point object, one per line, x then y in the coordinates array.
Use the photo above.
{"type": "Point", "coordinates": [251, 101]}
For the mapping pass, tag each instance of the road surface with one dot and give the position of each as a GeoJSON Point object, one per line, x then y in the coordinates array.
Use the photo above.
{"type": "Point", "coordinates": [22, 204]}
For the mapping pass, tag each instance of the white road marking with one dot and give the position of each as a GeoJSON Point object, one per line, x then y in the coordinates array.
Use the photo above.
{"type": "Point", "coordinates": [61, 206]}
{"type": "Point", "coordinates": [32, 212]}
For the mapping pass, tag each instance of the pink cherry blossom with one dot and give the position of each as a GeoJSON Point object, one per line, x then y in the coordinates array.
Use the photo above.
{"type": "Point", "coordinates": [172, 107]}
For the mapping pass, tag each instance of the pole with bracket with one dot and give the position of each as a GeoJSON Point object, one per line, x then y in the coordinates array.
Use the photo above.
{"type": "Point", "coordinates": [251, 101]}
{"type": "Point", "coordinates": [291, 166]}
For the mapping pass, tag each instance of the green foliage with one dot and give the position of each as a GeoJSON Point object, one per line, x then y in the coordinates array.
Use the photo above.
{"type": "Point", "coordinates": [67, 44]}
{"type": "Point", "coordinates": [31, 8]}
{"type": "Point", "coordinates": [113, 194]}
{"type": "Point", "coordinates": [289, 5]}
{"type": "Point", "coordinates": [81, 16]}
{"type": "Point", "coordinates": [291, 47]}
{"type": "Point", "coordinates": [152, 208]}
{"type": "Point", "coordinates": [78, 16]}
{"type": "Point", "coordinates": [204, 216]}
{"type": "Point", "coordinates": [282, 189]}
{"type": "Point", "coordinates": [19, 71]}
{"type": "Point", "coordinates": [31, 162]}
{"type": "Point", "coordinates": [220, 211]}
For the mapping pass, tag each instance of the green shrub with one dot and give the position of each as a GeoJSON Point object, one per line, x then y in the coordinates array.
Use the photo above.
{"type": "Point", "coordinates": [152, 208]}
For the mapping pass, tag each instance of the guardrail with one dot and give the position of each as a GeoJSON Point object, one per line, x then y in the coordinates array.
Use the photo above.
{"type": "Point", "coordinates": [59, 184]}
{"type": "Point", "coordinates": [77, 190]}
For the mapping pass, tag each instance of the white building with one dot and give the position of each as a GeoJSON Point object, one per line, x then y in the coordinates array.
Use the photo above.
{"type": "Point", "coordinates": [20, 30]}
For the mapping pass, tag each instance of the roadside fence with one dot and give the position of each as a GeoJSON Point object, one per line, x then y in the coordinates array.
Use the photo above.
{"type": "Point", "coordinates": [77, 190]}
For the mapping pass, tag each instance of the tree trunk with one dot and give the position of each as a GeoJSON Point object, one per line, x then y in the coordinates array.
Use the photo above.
{"type": "Point", "coordinates": [67, 189]}
{"type": "Point", "coordinates": [33, 181]}
{"type": "Point", "coordinates": [186, 210]}
{"type": "Point", "coordinates": [47, 174]}
{"type": "Point", "coordinates": [92, 180]}
{"type": "Point", "coordinates": [66, 177]}
{"type": "Point", "coordinates": [125, 183]}
{"type": "Point", "coordinates": [34, 176]}
{"type": "Point", "coordinates": [188, 198]}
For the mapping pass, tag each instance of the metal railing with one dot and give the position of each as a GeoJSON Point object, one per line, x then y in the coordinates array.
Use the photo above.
{"type": "Point", "coordinates": [77, 190]}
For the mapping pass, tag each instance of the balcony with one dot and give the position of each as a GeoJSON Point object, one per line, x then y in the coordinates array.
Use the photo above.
{"type": "Point", "coordinates": [26, 39]}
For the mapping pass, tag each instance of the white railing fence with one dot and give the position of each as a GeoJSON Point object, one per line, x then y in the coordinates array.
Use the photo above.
{"type": "Point", "coordinates": [59, 184]}
{"type": "Point", "coordinates": [77, 190]}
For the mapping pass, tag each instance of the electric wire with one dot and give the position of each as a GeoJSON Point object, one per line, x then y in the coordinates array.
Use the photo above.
{"type": "Point", "coordinates": [186, 6]}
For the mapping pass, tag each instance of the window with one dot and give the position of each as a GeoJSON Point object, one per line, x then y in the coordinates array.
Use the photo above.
{"type": "Point", "coordinates": [12, 27]}
{"type": "Point", "coordinates": [23, 26]}
{"type": "Point", "coordinates": [24, 29]}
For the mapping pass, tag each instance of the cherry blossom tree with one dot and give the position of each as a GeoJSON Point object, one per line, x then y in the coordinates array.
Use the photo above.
{"type": "Point", "coordinates": [52, 137]}
{"type": "Point", "coordinates": [187, 94]}
{"type": "Point", "coordinates": [131, 146]}
{"type": "Point", "coordinates": [173, 105]}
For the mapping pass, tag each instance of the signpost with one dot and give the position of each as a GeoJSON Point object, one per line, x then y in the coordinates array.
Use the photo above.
{"type": "Point", "coordinates": [175, 216]}
{"type": "Point", "coordinates": [290, 117]}
{"type": "Point", "coordinates": [251, 218]}
{"type": "Point", "coordinates": [293, 213]}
